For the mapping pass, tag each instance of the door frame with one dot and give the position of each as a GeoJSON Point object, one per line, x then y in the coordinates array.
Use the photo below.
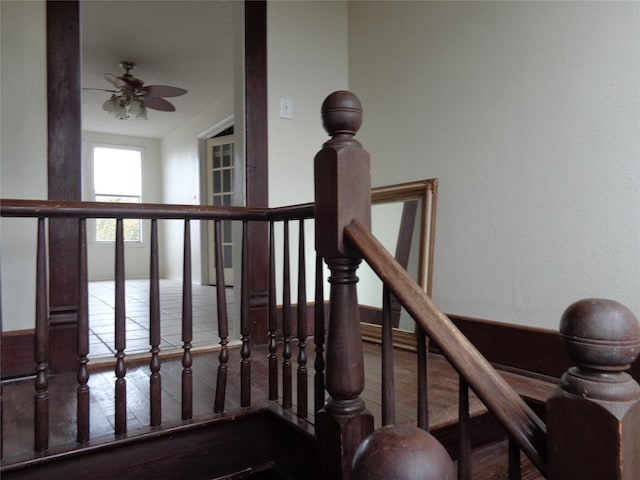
{"type": "Point", "coordinates": [205, 237]}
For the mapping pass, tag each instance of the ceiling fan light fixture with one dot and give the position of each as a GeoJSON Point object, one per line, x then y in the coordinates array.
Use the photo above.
{"type": "Point", "coordinates": [110, 105]}
{"type": "Point", "coordinates": [142, 114]}
{"type": "Point", "coordinates": [131, 97]}
{"type": "Point", "coordinates": [121, 113]}
{"type": "Point", "coordinates": [135, 107]}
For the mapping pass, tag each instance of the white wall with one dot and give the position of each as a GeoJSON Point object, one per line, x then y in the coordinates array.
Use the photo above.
{"type": "Point", "coordinates": [528, 114]}
{"type": "Point", "coordinates": [181, 160]}
{"type": "Point", "coordinates": [307, 60]}
{"type": "Point", "coordinates": [23, 154]}
{"type": "Point", "coordinates": [101, 256]}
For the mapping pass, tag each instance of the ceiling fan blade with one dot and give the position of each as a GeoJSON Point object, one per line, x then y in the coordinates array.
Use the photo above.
{"type": "Point", "coordinates": [163, 91]}
{"type": "Point", "coordinates": [158, 103]}
{"type": "Point", "coordinates": [100, 89]}
{"type": "Point", "coordinates": [117, 81]}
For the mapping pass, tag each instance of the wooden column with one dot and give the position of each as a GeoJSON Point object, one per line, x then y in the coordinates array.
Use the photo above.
{"type": "Point", "coordinates": [257, 171]}
{"type": "Point", "coordinates": [593, 416]}
{"type": "Point", "coordinates": [342, 193]}
{"type": "Point", "coordinates": [64, 177]}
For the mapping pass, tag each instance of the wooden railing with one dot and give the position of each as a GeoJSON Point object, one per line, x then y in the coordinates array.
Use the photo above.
{"type": "Point", "coordinates": [593, 416]}
{"type": "Point", "coordinates": [282, 390]}
{"type": "Point", "coordinates": [476, 372]}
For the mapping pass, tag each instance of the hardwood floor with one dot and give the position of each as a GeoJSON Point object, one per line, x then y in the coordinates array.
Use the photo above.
{"type": "Point", "coordinates": [18, 398]}
{"type": "Point", "coordinates": [490, 463]}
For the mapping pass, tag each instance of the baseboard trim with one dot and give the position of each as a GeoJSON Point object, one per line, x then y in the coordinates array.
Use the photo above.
{"type": "Point", "coordinates": [515, 347]}
{"type": "Point", "coordinates": [18, 352]}
{"type": "Point", "coordinates": [522, 349]}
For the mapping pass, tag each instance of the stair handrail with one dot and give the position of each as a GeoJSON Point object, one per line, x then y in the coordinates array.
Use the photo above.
{"type": "Point", "coordinates": [527, 429]}
{"type": "Point", "coordinates": [87, 209]}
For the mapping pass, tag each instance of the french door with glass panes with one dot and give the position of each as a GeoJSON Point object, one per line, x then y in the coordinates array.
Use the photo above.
{"type": "Point", "coordinates": [220, 192]}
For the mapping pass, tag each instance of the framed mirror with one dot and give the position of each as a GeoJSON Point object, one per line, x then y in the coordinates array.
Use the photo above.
{"type": "Point", "coordinates": [403, 219]}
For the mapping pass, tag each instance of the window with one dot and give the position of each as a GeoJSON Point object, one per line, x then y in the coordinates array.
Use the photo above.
{"type": "Point", "coordinates": [117, 177]}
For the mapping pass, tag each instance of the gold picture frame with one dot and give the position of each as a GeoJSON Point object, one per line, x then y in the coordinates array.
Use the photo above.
{"type": "Point", "coordinates": [419, 201]}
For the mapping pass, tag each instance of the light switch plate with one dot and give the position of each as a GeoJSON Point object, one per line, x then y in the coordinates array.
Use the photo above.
{"type": "Point", "coordinates": [286, 108]}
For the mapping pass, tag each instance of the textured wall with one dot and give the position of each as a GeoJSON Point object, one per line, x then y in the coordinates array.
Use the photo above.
{"type": "Point", "coordinates": [528, 114]}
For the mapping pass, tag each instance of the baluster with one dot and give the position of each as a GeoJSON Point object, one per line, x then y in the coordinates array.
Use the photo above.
{"type": "Point", "coordinates": [273, 319]}
{"type": "Point", "coordinates": [155, 381]}
{"type": "Point", "coordinates": [302, 327]}
{"type": "Point", "coordinates": [515, 471]}
{"type": "Point", "coordinates": [187, 326]}
{"type": "Point", "coordinates": [287, 400]}
{"type": "Point", "coordinates": [223, 323]}
{"type": "Point", "coordinates": [245, 323]}
{"type": "Point", "coordinates": [41, 401]}
{"type": "Point", "coordinates": [464, 457]}
{"type": "Point", "coordinates": [120, 369]}
{"type": "Point", "coordinates": [593, 416]}
{"type": "Point", "coordinates": [388, 392]}
{"type": "Point", "coordinates": [342, 194]}
{"type": "Point", "coordinates": [83, 337]}
{"type": "Point", "coordinates": [318, 336]}
{"type": "Point", "coordinates": [423, 392]}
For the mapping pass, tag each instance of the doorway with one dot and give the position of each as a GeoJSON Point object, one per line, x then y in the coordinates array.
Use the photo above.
{"type": "Point", "coordinates": [220, 173]}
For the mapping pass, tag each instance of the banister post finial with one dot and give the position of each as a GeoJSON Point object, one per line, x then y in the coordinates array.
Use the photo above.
{"type": "Point", "coordinates": [342, 193]}
{"type": "Point", "coordinates": [342, 118]}
{"type": "Point", "coordinates": [593, 416]}
{"type": "Point", "coordinates": [402, 452]}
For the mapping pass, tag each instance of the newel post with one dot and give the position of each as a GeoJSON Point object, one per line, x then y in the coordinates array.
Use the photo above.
{"type": "Point", "coordinates": [342, 193]}
{"type": "Point", "coordinates": [593, 416]}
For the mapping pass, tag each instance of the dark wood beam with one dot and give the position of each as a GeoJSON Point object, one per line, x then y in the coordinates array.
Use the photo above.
{"type": "Point", "coordinates": [64, 175]}
{"type": "Point", "coordinates": [257, 174]}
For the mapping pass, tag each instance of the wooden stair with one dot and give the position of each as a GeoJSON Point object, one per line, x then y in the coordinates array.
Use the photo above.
{"type": "Point", "coordinates": [490, 463]}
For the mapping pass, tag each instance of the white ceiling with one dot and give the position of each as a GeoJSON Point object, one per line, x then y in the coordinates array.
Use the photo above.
{"type": "Point", "coordinates": [187, 44]}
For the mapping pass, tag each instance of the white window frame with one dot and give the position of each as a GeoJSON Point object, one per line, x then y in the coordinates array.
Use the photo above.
{"type": "Point", "coordinates": [96, 194]}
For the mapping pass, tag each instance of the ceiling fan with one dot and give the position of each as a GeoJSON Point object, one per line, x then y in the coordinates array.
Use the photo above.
{"type": "Point", "coordinates": [132, 97]}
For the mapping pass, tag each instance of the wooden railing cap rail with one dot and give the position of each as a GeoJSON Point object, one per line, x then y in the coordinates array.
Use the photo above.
{"type": "Point", "coordinates": [69, 209]}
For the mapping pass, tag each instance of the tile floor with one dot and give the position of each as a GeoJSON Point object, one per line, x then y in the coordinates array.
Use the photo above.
{"type": "Point", "coordinates": [102, 310]}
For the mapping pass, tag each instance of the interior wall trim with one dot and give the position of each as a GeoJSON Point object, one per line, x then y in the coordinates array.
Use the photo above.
{"type": "Point", "coordinates": [217, 128]}
{"type": "Point", "coordinates": [17, 353]}
{"type": "Point", "coordinates": [520, 348]}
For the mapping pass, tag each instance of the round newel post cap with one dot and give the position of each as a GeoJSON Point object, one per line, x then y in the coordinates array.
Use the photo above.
{"type": "Point", "coordinates": [341, 114]}
{"type": "Point", "coordinates": [402, 452]}
{"type": "Point", "coordinates": [600, 334]}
